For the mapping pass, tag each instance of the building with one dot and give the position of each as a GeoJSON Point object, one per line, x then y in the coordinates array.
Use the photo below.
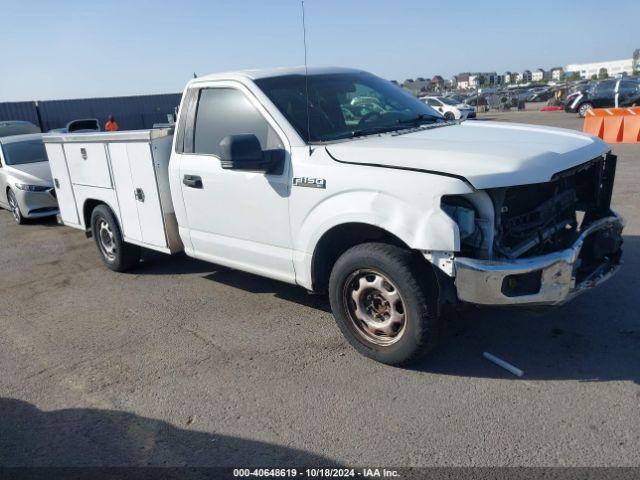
{"type": "Point", "coordinates": [556, 73]}
{"type": "Point", "coordinates": [465, 81]}
{"type": "Point", "coordinates": [437, 81]}
{"type": "Point", "coordinates": [614, 68]}
{"type": "Point", "coordinates": [485, 79]}
{"type": "Point", "coordinates": [461, 81]}
{"type": "Point", "coordinates": [417, 86]}
{"type": "Point", "coordinates": [507, 78]}
{"type": "Point", "coordinates": [538, 75]}
{"type": "Point", "coordinates": [523, 77]}
{"type": "Point", "coordinates": [132, 112]}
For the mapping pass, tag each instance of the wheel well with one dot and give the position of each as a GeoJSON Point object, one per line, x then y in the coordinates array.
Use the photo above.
{"type": "Point", "coordinates": [338, 240]}
{"type": "Point", "coordinates": [87, 210]}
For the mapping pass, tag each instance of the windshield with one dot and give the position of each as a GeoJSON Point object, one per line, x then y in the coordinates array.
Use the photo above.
{"type": "Point", "coordinates": [19, 153]}
{"type": "Point", "coordinates": [449, 101]}
{"type": "Point", "coordinates": [345, 105]}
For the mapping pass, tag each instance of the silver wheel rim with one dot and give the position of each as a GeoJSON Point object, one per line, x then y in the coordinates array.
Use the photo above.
{"type": "Point", "coordinates": [375, 307]}
{"type": "Point", "coordinates": [15, 208]}
{"type": "Point", "coordinates": [106, 240]}
{"type": "Point", "coordinates": [584, 109]}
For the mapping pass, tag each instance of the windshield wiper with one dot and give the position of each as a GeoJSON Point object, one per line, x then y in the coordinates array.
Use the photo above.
{"type": "Point", "coordinates": [372, 131]}
{"type": "Point", "coordinates": [421, 117]}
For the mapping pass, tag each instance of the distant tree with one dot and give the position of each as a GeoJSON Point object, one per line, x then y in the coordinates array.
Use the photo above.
{"type": "Point", "coordinates": [573, 76]}
{"type": "Point", "coordinates": [603, 74]}
{"type": "Point", "coordinates": [594, 77]}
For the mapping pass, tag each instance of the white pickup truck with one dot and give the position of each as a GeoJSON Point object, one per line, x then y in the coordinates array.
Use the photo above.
{"type": "Point", "coordinates": [340, 182]}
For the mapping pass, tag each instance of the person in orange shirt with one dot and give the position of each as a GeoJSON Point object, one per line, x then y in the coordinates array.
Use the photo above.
{"type": "Point", "coordinates": [111, 125]}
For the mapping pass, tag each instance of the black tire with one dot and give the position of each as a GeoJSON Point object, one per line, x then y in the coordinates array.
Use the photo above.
{"type": "Point", "coordinates": [584, 108]}
{"type": "Point", "coordinates": [14, 208]}
{"type": "Point", "coordinates": [116, 254]}
{"type": "Point", "coordinates": [405, 275]}
{"type": "Point", "coordinates": [449, 116]}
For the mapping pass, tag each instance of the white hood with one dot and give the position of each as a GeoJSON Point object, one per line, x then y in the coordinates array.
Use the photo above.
{"type": "Point", "coordinates": [487, 154]}
{"type": "Point", "coordinates": [38, 173]}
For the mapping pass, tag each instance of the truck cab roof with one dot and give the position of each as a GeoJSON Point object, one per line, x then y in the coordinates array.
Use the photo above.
{"type": "Point", "coordinates": [272, 72]}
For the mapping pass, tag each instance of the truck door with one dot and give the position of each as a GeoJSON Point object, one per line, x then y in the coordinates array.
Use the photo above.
{"type": "Point", "coordinates": [235, 218]}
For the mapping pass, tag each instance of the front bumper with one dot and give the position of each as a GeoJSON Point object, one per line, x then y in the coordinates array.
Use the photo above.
{"type": "Point", "coordinates": [37, 204]}
{"type": "Point", "coordinates": [555, 275]}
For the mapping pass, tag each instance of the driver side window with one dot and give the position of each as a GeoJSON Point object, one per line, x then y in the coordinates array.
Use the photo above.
{"type": "Point", "coordinates": [227, 111]}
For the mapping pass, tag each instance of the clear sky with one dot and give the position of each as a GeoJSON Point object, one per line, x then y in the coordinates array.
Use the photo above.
{"type": "Point", "coordinates": [77, 48]}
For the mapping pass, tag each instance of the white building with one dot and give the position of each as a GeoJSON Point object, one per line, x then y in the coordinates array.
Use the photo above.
{"type": "Point", "coordinates": [538, 75]}
{"type": "Point", "coordinates": [556, 73]}
{"type": "Point", "coordinates": [523, 77]}
{"type": "Point", "coordinates": [614, 68]}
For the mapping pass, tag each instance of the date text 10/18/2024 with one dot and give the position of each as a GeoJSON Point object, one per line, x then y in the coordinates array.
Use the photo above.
{"type": "Point", "coordinates": [316, 472]}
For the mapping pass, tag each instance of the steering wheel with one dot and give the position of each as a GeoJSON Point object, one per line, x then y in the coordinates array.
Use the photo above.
{"type": "Point", "coordinates": [367, 117]}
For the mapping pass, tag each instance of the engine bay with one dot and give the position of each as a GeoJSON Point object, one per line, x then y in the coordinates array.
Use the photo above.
{"type": "Point", "coordinates": [536, 219]}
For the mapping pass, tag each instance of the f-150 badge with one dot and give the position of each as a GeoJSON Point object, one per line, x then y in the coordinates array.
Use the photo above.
{"type": "Point", "coordinates": [309, 182]}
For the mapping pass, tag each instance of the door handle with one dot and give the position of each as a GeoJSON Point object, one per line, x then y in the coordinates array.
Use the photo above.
{"type": "Point", "coordinates": [193, 181]}
{"type": "Point", "coordinates": [139, 194]}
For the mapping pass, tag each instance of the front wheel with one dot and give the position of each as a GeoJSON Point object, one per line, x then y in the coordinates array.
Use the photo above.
{"type": "Point", "coordinates": [14, 207]}
{"type": "Point", "coordinates": [584, 108]}
{"type": "Point", "coordinates": [385, 302]}
{"type": "Point", "coordinates": [449, 116]}
{"type": "Point", "coordinates": [116, 254]}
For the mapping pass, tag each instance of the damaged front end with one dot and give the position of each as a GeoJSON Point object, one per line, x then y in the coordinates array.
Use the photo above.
{"type": "Point", "coordinates": [548, 241]}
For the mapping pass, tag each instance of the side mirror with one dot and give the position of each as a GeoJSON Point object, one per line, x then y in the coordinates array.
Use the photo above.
{"type": "Point", "coordinates": [243, 152]}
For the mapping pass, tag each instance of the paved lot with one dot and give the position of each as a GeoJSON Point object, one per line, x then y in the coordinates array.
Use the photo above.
{"type": "Point", "coordinates": [182, 362]}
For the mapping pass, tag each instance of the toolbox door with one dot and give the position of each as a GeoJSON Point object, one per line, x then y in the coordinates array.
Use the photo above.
{"type": "Point", "coordinates": [88, 162]}
{"type": "Point", "coordinates": [146, 194]}
{"type": "Point", "coordinates": [62, 184]}
{"type": "Point", "coordinates": [125, 191]}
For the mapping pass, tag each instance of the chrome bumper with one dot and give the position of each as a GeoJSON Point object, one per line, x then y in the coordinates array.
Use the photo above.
{"type": "Point", "coordinates": [482, 281]}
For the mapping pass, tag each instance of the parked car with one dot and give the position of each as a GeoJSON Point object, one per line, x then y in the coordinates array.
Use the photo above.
{"type": "Point", "coordinates": [80, 125]}
{"type": "Point", "coordinates": [604, 94]}
{"type": "Point", "coordinates": [26, 186]}
{"type": "Point", "coordinates": [398, 215]}
{"type": "Point", "coordinates": [477, 101]}
{"type": "Point", "coordinates": [540, 95]}
{"type": "Point", "coordinates": [17, 127]}
{"type": "Point", "coordinates": [450, 108]}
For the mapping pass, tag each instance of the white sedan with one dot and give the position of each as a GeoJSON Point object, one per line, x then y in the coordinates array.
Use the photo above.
{"type": "Point", "coordinates": [26, 186]}
{"type": "Point", "coordinates": [450, 108]}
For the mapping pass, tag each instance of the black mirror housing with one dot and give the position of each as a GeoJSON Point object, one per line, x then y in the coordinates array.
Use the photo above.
{"type": "Point", "coordinates": [243, 152]}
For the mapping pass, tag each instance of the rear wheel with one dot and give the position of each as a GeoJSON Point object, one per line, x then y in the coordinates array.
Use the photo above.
{"type": "Point", "coordinates": [116, 254]}
{"type": "Point", "coordinates": [14, 207]}
{"type": "Point", "coordinates": [385, 303]}
{"type": "Point", "coordinates": [584, 108]}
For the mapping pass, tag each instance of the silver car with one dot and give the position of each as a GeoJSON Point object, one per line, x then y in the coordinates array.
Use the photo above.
{"type": "Point", "coordinates": [26, 186]}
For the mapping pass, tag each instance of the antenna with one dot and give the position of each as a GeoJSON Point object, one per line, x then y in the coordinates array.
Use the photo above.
{"type": "Point", "coordinates": [306, 77]}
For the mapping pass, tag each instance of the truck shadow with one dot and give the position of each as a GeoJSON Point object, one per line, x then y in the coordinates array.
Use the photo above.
{"type": "Point", "coordinates": [594, 338]}
{"type": "Point", "coordinates": [256, 284]}
{"type": "Point", "coordinates": [93, 437]}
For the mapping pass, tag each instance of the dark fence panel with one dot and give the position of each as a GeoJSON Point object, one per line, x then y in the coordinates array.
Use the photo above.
{"type": "Point", "coordinates": [19, 111]}
{"type": "Point", "coordinates": [131, 113]}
